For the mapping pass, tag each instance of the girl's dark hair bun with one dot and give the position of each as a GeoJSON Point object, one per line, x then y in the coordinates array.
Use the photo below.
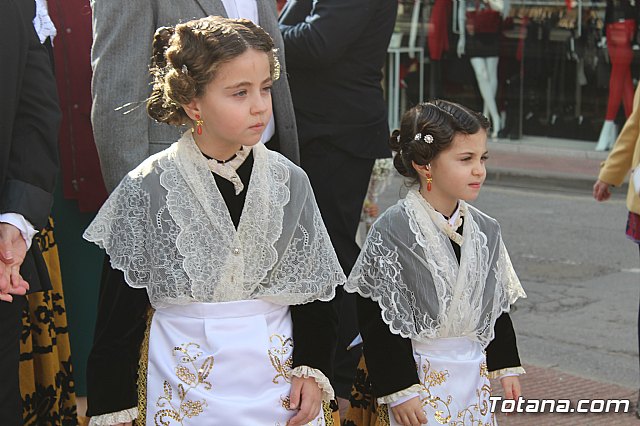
{"type": "Point", "coordinates": [427, 129]}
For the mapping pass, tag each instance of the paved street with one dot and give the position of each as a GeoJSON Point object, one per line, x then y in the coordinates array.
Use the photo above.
{"type": "Point", "coordinates": [577, 330]}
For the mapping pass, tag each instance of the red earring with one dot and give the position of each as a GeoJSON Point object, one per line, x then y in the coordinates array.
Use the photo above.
{"type": "Point", "coordinates": [429, 180]}
{"type": "Point", "coordinates": [199, 123]}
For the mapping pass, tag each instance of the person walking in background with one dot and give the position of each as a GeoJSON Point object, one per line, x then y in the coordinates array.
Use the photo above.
{"type": "Point", "coordinates": [29, 121]}
{"type": "Point", "coordinates": [225, 241]}
{"type": "Point", "coordinates": [435, 281]}
{"type": "Point", "coordinates": [624, 157]}
{"type": "Point", "coordinates": [336, 51]}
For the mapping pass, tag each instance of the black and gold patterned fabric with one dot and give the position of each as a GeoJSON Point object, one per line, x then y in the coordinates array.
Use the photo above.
{"type": "Point", "coordinates": [46, 376]}
{"type": "Point", "coordinates": [364, 410]}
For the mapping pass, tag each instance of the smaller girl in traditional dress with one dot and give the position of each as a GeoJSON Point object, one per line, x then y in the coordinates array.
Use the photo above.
{"type": "Point", "coordinates": [224, 240]}
{"type": "Point", "coordinates": [431, 295]}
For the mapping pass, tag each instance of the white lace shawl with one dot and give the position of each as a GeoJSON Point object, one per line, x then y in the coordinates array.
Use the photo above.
{"type": "Point", "coordinates": [167, 227]}
{"type": "Point", "coordinates": [409, 267]}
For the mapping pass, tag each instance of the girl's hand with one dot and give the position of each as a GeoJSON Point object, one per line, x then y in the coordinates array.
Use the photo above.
{"type": "Point", "coordinates": [410, 413]}
{"type": "Point", "coordinates": [511, 386]}
{"type": "Point", "coordinates": [306, 397]}
{"type": "Point", "coordinates": [601, 191]}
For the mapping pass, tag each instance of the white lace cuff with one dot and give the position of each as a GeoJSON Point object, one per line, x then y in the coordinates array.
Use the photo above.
{"type": "Point", "coordinates": [109, 419]}
{"type": "Point", "coordinates": [511, 371]}
{"type": "Point", "coordinates": [388, 399]}
{"type": "Point", "coordinates": [320, 378]}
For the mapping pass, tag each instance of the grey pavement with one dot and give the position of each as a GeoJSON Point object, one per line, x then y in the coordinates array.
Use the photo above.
{"type": "Point", "coordinates": [545, 163]}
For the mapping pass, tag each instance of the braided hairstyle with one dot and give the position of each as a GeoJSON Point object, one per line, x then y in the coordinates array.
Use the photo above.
{"type": "Point", "coordinates": [187, 57]}
{"type": "Point", "coordinates": [440, 119]}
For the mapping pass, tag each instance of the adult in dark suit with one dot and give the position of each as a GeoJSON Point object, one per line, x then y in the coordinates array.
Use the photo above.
{"type": "Point", "coordinates": [29, 120]}
{"type": "Point", "coordinates": [335, 52]}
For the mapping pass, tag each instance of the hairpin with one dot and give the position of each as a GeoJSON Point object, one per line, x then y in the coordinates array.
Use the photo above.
{"type": "Point", "coordinates": [398, 138]}
{"type": "Point", "coordinates": [185, 70]}
{"type": "Point", "coordinates": [427, 138]}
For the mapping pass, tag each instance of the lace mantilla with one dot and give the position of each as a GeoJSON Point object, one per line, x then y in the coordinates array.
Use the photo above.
{"type": "Point", "coordinates": [110, 419]}
{"type": "Point", "coordinates": [322, 380]}
{"type": "Point", "coordinates": [409, 267]}
{"type": "Point", "coordinates": [168, 228]}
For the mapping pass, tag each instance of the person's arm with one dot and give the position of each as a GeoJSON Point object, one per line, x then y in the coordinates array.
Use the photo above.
{"type": "Point", "coordinates": [315, 335]}
{"type": "Point", "coordinates": [502, 351]}
{"type": "Point", "coordinates": [325, 34]}
{"type": "Point", "coordinates": [112, 369]}
{"type": "Point", "coordinates": [619, 162]}
{"type": "Point", "coordinates": [389, 356]}
{"type": "Point", "coordinates": [120, 56]}
{"type": "Point", "coordinates": [32, 164]}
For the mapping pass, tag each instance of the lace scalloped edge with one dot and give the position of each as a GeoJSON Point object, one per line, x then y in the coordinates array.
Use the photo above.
{"type": "Point", "coordinates": [383, 309]}
{"type": "Point", "coordinates": [516, 371]}
{"type": "Point", "coordinates": [388, 399]}
{"type": "Point", "coordinates": [109, 419]}
{"type": "Point", "coordinates": [319, 377]}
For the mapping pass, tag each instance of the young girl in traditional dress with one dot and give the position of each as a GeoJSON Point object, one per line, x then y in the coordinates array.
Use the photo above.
{"type": "Point", "coordinates": [431, 295]}
{"type": "Point", "coordinates": [226, 239]}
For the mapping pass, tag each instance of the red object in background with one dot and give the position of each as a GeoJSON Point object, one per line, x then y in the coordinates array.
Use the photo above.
{"type": "Point", "coordinates": [280, 4]}
{"type": "Point", "coordinates": [81, 175]}
{"type": "Point", "coordinates": [438, 32]}
{"type": "Point", "coordinates": [619, 37]}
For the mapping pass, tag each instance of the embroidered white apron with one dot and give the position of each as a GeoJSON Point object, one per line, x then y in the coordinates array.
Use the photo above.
{"type": "Point", "coordinates": [455, 384]}
{"type": "Point", "coordinates": [221, 364]}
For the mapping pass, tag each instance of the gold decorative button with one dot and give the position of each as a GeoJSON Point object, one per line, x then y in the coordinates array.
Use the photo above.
{"type": "Point", "coordinates": [236, 251]}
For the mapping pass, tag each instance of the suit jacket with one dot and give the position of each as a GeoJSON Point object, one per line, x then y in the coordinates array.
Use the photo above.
{"type": "Point", "coordinates": [625, 155]}
{"type": "Point", "coordinates": [29, 120]}
{"type": "Point", "coordinates": [81, 177]}
{"type": "Point", "coordinates": [123, 35]}
{"type": "Point", "coordinates": [336, 51]}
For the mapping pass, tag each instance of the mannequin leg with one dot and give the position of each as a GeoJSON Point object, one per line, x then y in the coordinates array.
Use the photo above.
{"type": "Point", "coordinates": [627, 92]}
{"type": "Point", "coordinates": [621, 55]}
{"type": "Point", "coordinates": [483, 71]}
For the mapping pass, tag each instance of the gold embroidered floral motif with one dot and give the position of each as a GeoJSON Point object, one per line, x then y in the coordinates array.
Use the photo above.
{"type": "Point", "coordinates": [434, 378]}
{"type": "Point", "coordinates": [192, 376]}
{"type": "Point", "coordinates": [285, 401]}
{"type": "Point", "coordinates": [484, 372]}
{"type": "Point", "coordinates": [281, 357]}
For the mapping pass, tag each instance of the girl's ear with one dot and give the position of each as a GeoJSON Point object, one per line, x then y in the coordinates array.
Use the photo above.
{"type": "Point", "coordinates": [192, 109]}
{"type": "Point", "coordinates": [420, 169]}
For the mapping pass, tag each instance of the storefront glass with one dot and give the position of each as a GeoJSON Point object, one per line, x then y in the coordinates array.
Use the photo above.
{"type": "Point", "coordinates": [538, 68]}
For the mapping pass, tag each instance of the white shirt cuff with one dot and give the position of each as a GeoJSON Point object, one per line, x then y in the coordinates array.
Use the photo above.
{"type": "Point", "coordinates": [26, 228]}
{"type": "Point", "coordinates": [403, 395]}
{"type": "Point", "coordinates": [506, 372]}
{"type": "Point", "coordinates": [319, 377]}
{"type": "Point", "coordinates": [110, 419]}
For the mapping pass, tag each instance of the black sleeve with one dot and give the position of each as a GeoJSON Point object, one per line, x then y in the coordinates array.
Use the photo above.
{"type": "Point", "coordinates": [389, 356]}
{"type": "Point", "coordinates": [28, 142]}
{"type": "Point", "coordinates": [325, 33]}
{"type": "Point", "coordinates": [502, 352]}
{"type": "Point", "coordinates": [315, 335]}
{"type": "Point", "coordinates": [113, 362]}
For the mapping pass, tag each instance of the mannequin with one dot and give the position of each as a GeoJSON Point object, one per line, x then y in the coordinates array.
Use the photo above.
{"type": "Point", "coordinates": [620, 18]}
{"type": "Point", "coordinates": [483, 50]}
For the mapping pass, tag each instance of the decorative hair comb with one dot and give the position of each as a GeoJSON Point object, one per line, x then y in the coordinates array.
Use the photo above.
{"type": "Point", "coordinates": [427, 138]}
